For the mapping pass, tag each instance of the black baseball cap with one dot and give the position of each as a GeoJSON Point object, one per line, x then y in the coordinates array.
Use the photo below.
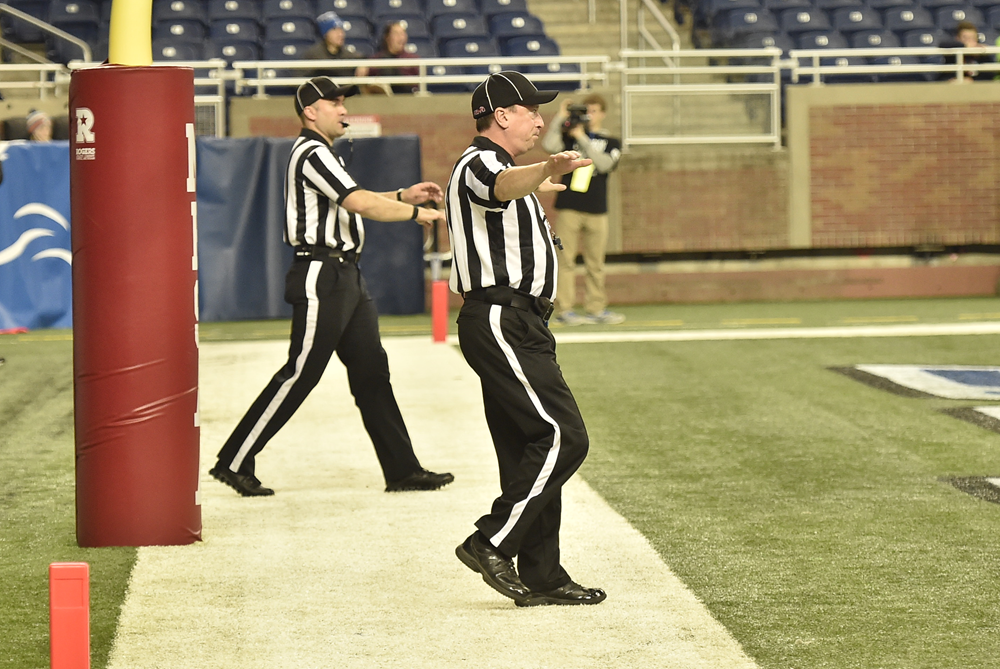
{"type": "Point", "coordinates": [505, 89]}
{"type": "Point", "coordinates": [320, 88]}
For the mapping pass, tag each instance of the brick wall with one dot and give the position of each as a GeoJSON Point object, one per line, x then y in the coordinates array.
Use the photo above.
{"type": "Point", "coordinates": [893, 175]}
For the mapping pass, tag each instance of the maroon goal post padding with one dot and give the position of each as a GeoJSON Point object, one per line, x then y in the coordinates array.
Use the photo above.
{"type": "Point", "coordinates": [135, 332]}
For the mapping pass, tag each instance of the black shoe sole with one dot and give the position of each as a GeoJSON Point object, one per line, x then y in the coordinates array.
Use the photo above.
{"type": "Point", "coordinates": [222, 478]}
{"type": "Point", "coordinates": [402, 486]}
{"type": "Point", "coordinates": [469, 561]}
{"type": "Point", "coordinates": [538, 599]}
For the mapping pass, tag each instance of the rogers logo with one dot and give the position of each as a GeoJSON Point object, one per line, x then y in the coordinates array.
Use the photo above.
{"type": "Point", "coordinates": [85, 134]}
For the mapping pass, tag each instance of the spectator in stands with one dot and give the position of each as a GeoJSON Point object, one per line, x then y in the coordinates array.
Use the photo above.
{"type": "Point", "coordinates": [331, 27]}
{"type": "Point", "coordinates": [967, 37]}
{"type": "Point", "coordinates": [39, 126]}
{"type": "Point", "coordinates": [583, 207]}
{"type": "Point", "coordinates": [392, 44]}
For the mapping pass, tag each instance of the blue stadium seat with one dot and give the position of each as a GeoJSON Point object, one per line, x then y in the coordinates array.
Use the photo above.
{"type": "Point", "coordinates": [80, 18]}
{"type": "Point", "coordinates": [381, 9]}
{"type": "Point", "coordinates": [570, 70]}
{"type": "Point", "coordinates": [226, 10]}
{"type": "Point", "coordinates": [343, 7]}
{"type": "Point", "coordinates": [287, 9]}
{"type": "Point", "coordinates": [794, 21]}
{"type": "Point", "coordinates": [295, 29]}
{"type": "Point", "coordinates": [874, 39]}
{"type": "Point", "coordinates": [359, 48]}
{"type": "Point", "coordinates": [830, 5]}
{"type": "Point", "coordinates": [529, 46]}
{"type": "Point", "coordinates": [490, 7]}
{"type": "Point", "coordinates": [983, 5]}
{"type": "Point", "coordinates": [852, 19]}
{"type": "Point", "coordinates": [822, 39]}
{"type": "Point", "coordinates": [900, 76]}
{"type": "Point", "coordinates": [947, 18]}
{"type": "Point", "coordinates": [905, 19]}
{"type": "Point", "coordinates": [178, 10]}
{"type": "Point", "coordinates": [414, 24]}
{"type": "Point", "coordinates": [704, 12]}
{"type": "Point", "coordinates": [62, 51]}
{"type": "Point", "coordinates": [988, 36]}
{"type": "Point", "coordinates": [846, 78]}
{"type": "Point", "coordinates": [443, 70]}
{"type": "Point", "coordinates": [992, 19]}
{"type": "Point", "coordinates": [286, 49]}
{"type": "Point", "coordinates": [22, 31]}
{"type": "Point", "coordinates": [242, 30]}
{"type": "Point", "coordinates": [231, 50]}
{"type": "Point", "coordinates": [734, 24]}
{"type": "Point", "coordinates": [182, 31]}
{"type": "Point", "coordinates": [766, 40]}
{"type": "Point", "coordinates": [516, 24]}
{"type": "Point", "coordinates": [926, 37]}
{"type": "Point", "coordinates": [779, 6]}
{"type": "Point", "coordinates": [422, 47]}
{"type": "Point", "coordinates": [438, 7]}
{"type": "Point", "coordinates": [455, 26]}
{"type": "Point", "coordinates": [469, 47]}
{"type": "Point", "coordinates": [168, 49]}
{"type": "Point", "coordinates": [933, 5]}
{"type": "Point", "coordinates": [886, 4]}
{"type": "Point", "coordinates": [357, 27]}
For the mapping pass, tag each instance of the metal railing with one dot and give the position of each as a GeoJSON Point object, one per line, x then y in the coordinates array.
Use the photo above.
{"type": "Point", "coordinates": [837, 64]}
{"type": "Point", "coordinates": [48, 28]}
{"type": "Point", "coordinates": [756, 85]}
{"type": "Point", "coordinates": [432, 73]}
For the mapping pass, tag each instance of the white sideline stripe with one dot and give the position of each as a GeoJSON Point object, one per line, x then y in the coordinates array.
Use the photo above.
{"type": "Point", "coordinates": [836, 332]}
{"type": "Point", "coordinates": [550, 458]}
{"type": "Point", "coordinates": [333, 572]}
{"type": "Point", "coordinates": [312, 315]}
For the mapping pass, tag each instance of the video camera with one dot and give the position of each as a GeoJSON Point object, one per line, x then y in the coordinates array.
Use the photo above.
{"type": "Point", "coordinates": [577, 116]}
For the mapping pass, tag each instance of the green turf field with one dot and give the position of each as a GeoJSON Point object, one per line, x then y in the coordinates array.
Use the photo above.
{"type": "Point", "coordinates": [807, 510]}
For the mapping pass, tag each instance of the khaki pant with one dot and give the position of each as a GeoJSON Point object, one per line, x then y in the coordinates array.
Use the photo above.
{"type": "Point", "coordinates": [588, 235]}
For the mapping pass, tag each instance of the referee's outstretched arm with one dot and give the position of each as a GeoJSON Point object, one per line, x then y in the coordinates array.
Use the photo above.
{"type": "Point", "coordinates": [380, 208]}
{"type": "Point", "coordinates": [518, 182]}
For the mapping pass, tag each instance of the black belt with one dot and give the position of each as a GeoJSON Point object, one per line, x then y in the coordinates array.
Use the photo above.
{"type": "Point", "coordinates": [316, 252]}
{"type": "Point", "coordinates": [506, 296]}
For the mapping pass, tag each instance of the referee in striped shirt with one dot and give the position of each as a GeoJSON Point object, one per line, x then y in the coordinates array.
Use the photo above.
{"type": "Point", "coordinates": [331, 308]}
{"type": "Point", "coordinates": [504, 264]}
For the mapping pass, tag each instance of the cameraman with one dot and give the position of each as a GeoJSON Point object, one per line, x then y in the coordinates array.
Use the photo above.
{"type": "Point", "coordinates": [583, 207]}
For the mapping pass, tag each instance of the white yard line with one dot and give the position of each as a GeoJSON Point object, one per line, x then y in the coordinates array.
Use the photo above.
{"type": "Point", "coordinates": [332, 572]}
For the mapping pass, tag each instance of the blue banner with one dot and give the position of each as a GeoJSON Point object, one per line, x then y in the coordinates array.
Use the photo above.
{"type": "Point", "coordinates": [35, 258]}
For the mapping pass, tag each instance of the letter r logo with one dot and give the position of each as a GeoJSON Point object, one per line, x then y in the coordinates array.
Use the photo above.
{"type": "Point", "coordinates": [84, 125]}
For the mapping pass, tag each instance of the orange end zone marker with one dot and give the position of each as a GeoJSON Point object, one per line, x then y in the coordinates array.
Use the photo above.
{"type": "Point", "coordinates": [439, 310]}
{"type": "Point", "coordinates": [69, 615]}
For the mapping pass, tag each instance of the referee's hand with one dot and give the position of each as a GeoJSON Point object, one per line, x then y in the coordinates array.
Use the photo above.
{"type": "Point", "coordinates": [564, 162]}
{"type": "Point", "coordinates": [425, 191]}
{"type": "Point", "coordinates": [427, 217]}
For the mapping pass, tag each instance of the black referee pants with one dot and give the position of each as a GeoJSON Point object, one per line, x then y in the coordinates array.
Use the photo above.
{"type": "Point", "coordinates": [331, 311]}
{"type": "Point", "coordinates": [537, 430]}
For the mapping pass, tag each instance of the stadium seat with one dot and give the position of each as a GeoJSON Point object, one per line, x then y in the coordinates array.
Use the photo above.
{"type": "Point", "coordinates": [852, 19]}
{"type": "Point", "coordinates": [63, 51]}
{"type": "Point", "coordinates": [443, 70]}
{"type": "Point", "coordinates": [992, 19]}
{"type": "Point", "coordinates": [422, 47]}
{"type": "Point", "coordinates": [516, 24]}
{"type": "Point", "coordinates": [469, 47]}
{"type": "Point", "coordinates": [381, 9]}
{"type": "Point", "coordinates": [226, 10]}
{"type": "Point", "coordinates": [947, 18]}
{"type": "Point", "coordinates": [439, 7]}
{"type": "Point", "coordinates": [874, 39]}
{"type": "Point", "coordinates": [830, 5]}
{"type": "Point", "coordinates": [906, 19]}
{"type": "Point", "coordinates": [80, 18]}
{"type": "Point", "coordinates": [900, 76]}
{"type": "Point", "coordinates": [359, 48]}
{"type": "Point", "coordinates": [822, 39]}
{"type": "Point", "coordinates": [846, 78]}
{"type": "Point", "coordinates": [231, 50]}
{"type": "Point", "coordinates": [489, 8]}
{"type": "Point", "coordinates": [184, 31]}
{"type": "Point", "coordinates": [886, 4]}
{"type": "Point", "coordinates": [765, 40]}
{"type": "Point", "coordinates": [529, 46]}
{"type": "Point", "coordinates": [178, 10]}
{"type": "Point", "coordinates": [298, 29]}
{"type": "Point", "coordinates": [933, 5]}
{"type": "Point", "coordinates": [779, 6]}
{"type": "Point", "coordinates": [734, 24]}
{"type": "Point", "coordinates": [169, 49]}
{"type": "Point", "coordinates": [343, 7]}
{"type": "Point", "coordinates": [923, 38]}
{"type": "Point", "coordinates": [242, 30]}
{"type": "Point", "coordinates": [286, 49]}
{"type": "Point", "coordinates": [414, 24]}
{"type": "Point", "coordinates": [456, 26]}
{"type": "Point", "coordinates": [704, 12]}
{"type": "Point", "coordinates": [287, 9]}
{"type": "Point", "coordinates": [794, 21]}
{"type": "Point", "coordinates": [570, 70]}
{"type": "Point", "coordinates": [357, 27]}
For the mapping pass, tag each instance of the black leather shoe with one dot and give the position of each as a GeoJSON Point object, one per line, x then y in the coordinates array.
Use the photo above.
{"type": "Point", "coordinates": [571, 593]}
{"type": "Point", "coordinates": [421, 480]}
{"type": "Point", "coordinates": [248, 486]}
{"type": "Point", "coordinates": [497, 569]}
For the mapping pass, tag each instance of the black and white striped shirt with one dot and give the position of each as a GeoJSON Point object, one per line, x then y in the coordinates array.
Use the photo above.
{"type": "Point", "coordinates": [496, 243]}
{"type": "Point", "coordinates": [316, 182]}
